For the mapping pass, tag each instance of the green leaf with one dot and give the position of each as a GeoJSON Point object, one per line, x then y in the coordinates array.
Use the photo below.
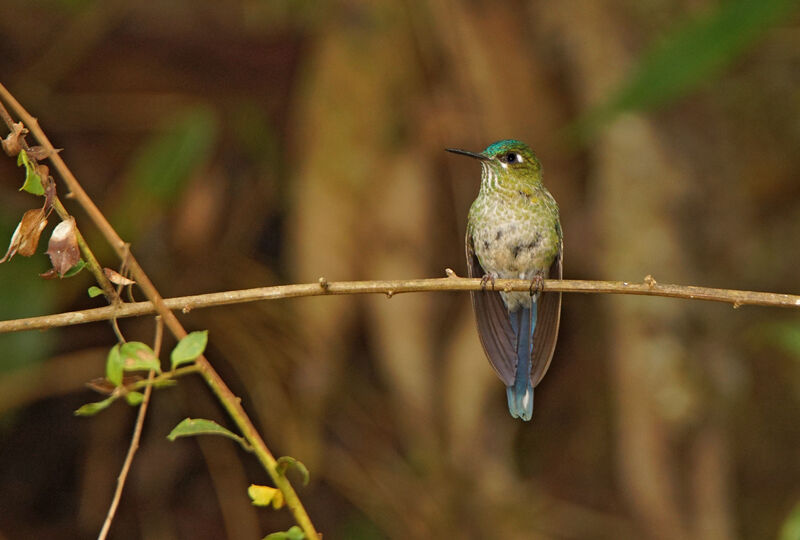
{"type": "Point", "coordinates": [134, 398]}
{"type": "Point", "coordinates": [294, 533]}
{"type": "Point", "coordinates": [189, 348]}
{"type": "Point", "coordinates": [791, 527]}
{"type": "Point", "coordinates": [137, 356]}
{"type": "Point", "coordinates": [114, 366]}
{"type": "Point", "coordinates": [265, 495]}
{"type": "Point", "coordinates": [189, 427]}
{"type": "Point", "coordinates": [90, 409]}
{"type": "Point", "coordinates": [75, 269]}
{"type": "Point", "coordinates": [695, 52]}
{"type": "Point", "coordinates": [162, 167]}
{"type": "Point", "coordinates": [94, 291]}
{"type": "Point", "coordinates": [284, 462]}
{"type": "Point", "coordinates": [33, 182]}
{"type": "Point", "coordinates": [784, 334]}
{"type": "Point", "coordinates": [169, 158]}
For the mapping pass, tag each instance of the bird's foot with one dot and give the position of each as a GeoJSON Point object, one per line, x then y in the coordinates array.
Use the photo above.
{"type": "Point", "coordinates": [485, 281]}
{"type": "Point", "coordinates": [537, 283]}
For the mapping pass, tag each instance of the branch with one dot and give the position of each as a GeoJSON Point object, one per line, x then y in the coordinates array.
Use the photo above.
{"type": "Point", "coordinates": [649, 287]}
{"type": "Point", "coordinates": [134, 445]}
{"type": "Point", "coordinates": [91, 260]}
{"type": "Point", "coordinates": [227, 399]}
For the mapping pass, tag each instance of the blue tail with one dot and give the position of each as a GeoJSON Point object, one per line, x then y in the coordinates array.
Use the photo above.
{"type": "Point", "coordinates": [520, 394]}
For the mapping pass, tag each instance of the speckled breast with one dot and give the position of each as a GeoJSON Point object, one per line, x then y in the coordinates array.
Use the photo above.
{"type": "Point", "coordinates": [515, 237]}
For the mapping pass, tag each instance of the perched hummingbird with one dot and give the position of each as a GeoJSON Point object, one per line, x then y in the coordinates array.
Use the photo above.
{"type": "Point", "coordinates": [513, 232]}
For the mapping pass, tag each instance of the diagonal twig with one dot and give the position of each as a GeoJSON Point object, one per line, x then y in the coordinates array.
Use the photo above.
{"type": "Point", "coordinates": [91, 260]}
{"type": "Point", "coordinates": [226, 397]}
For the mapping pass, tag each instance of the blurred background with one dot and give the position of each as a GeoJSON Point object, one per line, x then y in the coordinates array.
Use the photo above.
{"type": "Point", "coordinates": [250, 143]}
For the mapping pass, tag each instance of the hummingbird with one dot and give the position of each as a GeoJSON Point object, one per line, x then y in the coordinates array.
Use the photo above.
{"type": "Point", "coordinates": [513, 232]}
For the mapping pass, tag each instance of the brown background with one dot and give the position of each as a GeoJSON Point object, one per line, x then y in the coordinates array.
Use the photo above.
{"type": "Point", "coordinates": [251, 143]}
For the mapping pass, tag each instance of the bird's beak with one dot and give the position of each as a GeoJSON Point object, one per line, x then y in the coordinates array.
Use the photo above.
{"type": "Point", "coordinates": [467, 153]}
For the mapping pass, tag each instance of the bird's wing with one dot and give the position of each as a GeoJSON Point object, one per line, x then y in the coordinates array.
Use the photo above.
{"type": "Point", "coordinates": [548, 315]}
{"type": "Point", "coordinates": [494, 324]}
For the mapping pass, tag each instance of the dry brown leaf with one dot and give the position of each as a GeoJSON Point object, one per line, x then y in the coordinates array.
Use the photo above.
{"type": "Point", "coordinates": [40, 152]}
{"type": "Point", "coordinates": [11, 144]}
{"type": "Point", "coordinates": [116, 277]}
{"type": "Point", "coordinates": [49, 192]}
{"type": "Point", "coordinates": [103, 386]}
{"type": "Point", "coordinates": [50, 274]}
{"type": "Point", "coordinates": [43, 171]}
{"type": "Point", "coordinates": [63, 246]}
{"type": "Point", "coordinates": [26, 236]}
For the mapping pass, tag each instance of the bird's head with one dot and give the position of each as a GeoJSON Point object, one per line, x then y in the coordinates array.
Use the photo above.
{"type": "Point", "coordinates": [507, 160]}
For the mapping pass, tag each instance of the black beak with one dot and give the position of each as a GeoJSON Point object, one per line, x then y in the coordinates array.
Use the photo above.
{"type": "Point", "coordinates": [467, 153]}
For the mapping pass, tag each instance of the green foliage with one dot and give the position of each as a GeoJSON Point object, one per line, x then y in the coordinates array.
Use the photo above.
{"type": "Point", "coordinates": [138, 356]}
{"type": "Point", "coordinates": [21, 296]}
{"type": "Point", "coordinates": [114, 365]}
{"type": "Point", "coordinates": [189, 348]}
{"type": "Point", "coordinates": [81, 264]}
{"type": "Point", "coordinates": [33, 182]}
{"type": "Point", "coordinates": [791, 527]}
{"type": "Point", "coordinates": [169, 158]}
{"type": "Point", "coordinates": [294, 533]}
{"type": "Point", "coordinates": [162, 166]}
{"type": "Point", "coordinates": [285, 462]}
{"type": "Point", "coordinates": [785, 335]}
{"type": "Point", "coordinates": [134, 398]}
{"type": "Point", "coordinates": [693, 53]}
{"type": "Point", "coordinates": [189, 427]}
{"type": "Point", "coordinates": [91, 409]}
{"type": "Point", "coordinates": [94, 291]}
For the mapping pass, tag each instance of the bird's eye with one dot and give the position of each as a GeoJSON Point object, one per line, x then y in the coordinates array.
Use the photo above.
{"type": "Point", "coordinates": [512, 157]}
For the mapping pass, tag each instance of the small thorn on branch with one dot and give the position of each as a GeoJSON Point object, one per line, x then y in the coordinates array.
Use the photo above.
{"type": "Point", "coordinates": [450, 273]}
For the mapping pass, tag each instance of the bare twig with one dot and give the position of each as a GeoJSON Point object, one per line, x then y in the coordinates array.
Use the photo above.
{"type": "Point", "coordinates": [227, 399]}
{"type": "Point", "coordinates": [137, 434]}
{"type": "Point", "coordinates": [736, 298]}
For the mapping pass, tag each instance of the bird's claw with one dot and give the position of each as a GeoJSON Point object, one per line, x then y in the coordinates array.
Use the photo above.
{"type": "Point", "coordinates": [537, 284]}
{"type": "Point", "coordinates": [485, 280]}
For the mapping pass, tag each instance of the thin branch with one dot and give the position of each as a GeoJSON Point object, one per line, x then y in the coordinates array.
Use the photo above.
{"type": "Point", "coordinates": [88, 255]}
{"type": "Point", "coordinates": [736, 298]}
{"type": "Point", "coordinates": [226, 397]}
{"type": "Point", "coordinates": [162, 378]}
{"type": "Point", "coordinates": [137, 435]}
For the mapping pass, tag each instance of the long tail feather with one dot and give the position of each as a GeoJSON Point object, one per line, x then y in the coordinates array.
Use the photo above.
{"type": "Point", "coordinates": [520, 394]}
